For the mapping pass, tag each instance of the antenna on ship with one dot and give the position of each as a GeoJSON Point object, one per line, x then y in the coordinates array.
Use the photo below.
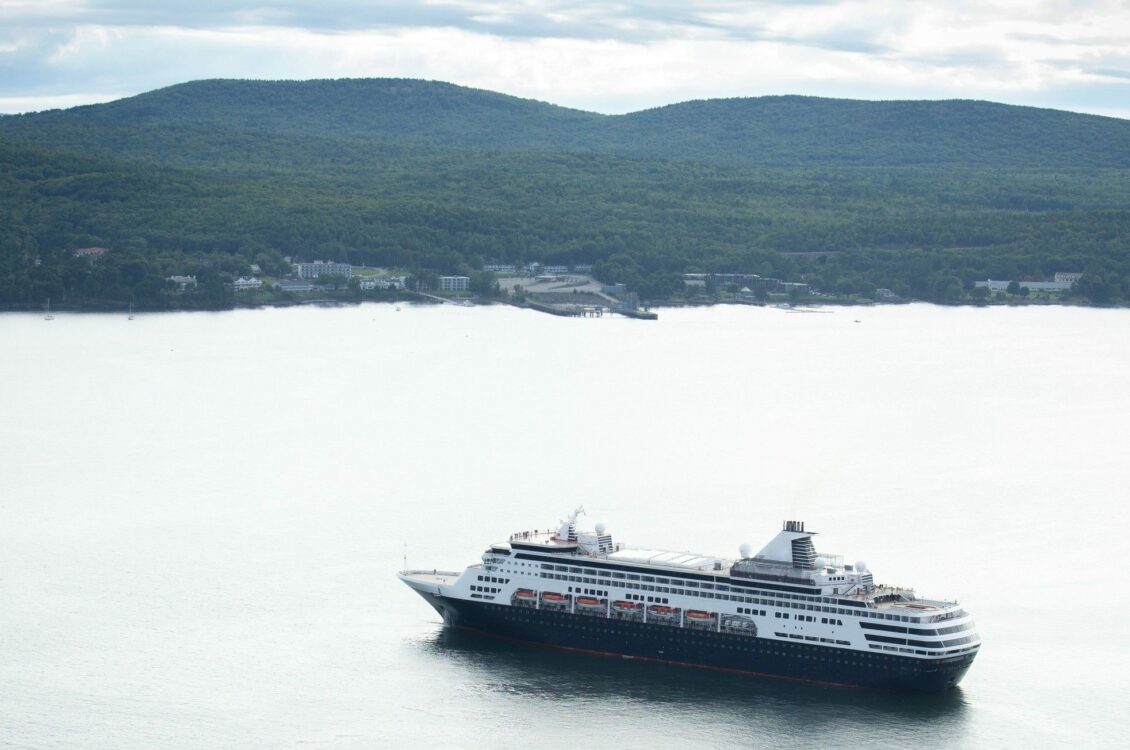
{"type": "Point", "coordinates": [405, 568]}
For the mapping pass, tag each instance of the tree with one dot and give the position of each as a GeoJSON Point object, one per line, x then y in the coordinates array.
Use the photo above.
{"type": "Point", "coordinates": [331, 280]}
{"type": "Point", "coordinates": [484, 283]}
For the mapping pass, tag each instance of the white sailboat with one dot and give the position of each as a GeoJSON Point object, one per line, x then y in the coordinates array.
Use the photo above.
{"type": "Point", "coordinates": [48, 316]}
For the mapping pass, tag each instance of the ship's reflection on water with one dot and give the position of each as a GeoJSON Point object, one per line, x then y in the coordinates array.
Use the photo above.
{"type": "Point", "coordinates": [760, 705]}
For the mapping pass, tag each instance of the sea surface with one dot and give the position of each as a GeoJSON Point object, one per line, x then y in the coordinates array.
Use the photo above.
{"type": "Point", "coordinates": [201, 517]}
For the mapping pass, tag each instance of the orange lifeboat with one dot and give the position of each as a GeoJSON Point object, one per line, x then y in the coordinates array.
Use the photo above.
{"type": "Point", "coordinates": [662, 611]}
{"type": "Point", "coordinates": [552, 596]}
{"type": "Point", "coordinates": [525, 594]}
{"type": "Point", "coordinates": [588, 601]}
{"type": "Point", "coordinates": [697, 614]}
{"type": "Point", "coordinates": [624, 606]}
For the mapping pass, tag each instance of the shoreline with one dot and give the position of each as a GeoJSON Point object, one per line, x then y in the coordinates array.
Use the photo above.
{"type": "Point", "coordinates": [653, 305]}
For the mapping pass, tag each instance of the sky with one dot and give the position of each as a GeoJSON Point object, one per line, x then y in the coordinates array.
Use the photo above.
{"type": "Point", "coordinates": [612, 56]}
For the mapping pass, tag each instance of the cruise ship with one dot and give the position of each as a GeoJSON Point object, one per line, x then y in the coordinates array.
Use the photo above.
{"type": "Point", "coordinates": [788, 611]}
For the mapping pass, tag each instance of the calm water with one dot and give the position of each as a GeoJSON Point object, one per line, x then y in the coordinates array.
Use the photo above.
{"type": "Point", "coordinates": [201, 516]}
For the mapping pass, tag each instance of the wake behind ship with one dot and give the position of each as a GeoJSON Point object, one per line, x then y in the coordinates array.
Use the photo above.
{"type": "Point", "coordinates": [786, 612]}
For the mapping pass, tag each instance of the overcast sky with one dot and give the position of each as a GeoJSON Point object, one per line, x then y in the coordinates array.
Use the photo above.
{"type": "Point", "coordinates": [612, 56]}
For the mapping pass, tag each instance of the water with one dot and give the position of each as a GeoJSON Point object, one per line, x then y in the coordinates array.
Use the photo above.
{"type": "Point", "coordinates": [201, 516]}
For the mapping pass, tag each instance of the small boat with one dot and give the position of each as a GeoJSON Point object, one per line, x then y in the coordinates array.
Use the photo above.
{"type": "Point", "coordinates": [525, 594]}
{"type": "Point", "coordinates": [698, 614]}
{"type": "Point", "coordinates": [661, 611]}
{"type": "Point", "coordinates": [552, 596]}
{"type": "Point", "coordinates": [588, 601]}
{"type": "Point", "coordinates": [624, 606]}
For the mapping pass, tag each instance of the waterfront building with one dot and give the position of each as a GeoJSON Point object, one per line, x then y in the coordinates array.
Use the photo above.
{"type": "Point", "coordinates": [454, 283]}
{"type": "Point", "coordinates": [182, 282]}
{"type": "Point", "coordinates": [322, 268]}
{"type": "Point", "coordinates": [370, 283]}
{"type": "Point", "coordinates": [246, 284]}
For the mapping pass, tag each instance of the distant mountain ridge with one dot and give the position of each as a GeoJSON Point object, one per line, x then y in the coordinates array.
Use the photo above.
{"type": "Point", "coordinates": [778, 131]}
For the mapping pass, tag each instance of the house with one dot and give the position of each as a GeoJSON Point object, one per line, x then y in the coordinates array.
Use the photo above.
{"type": "Point", "coordinates": [182, 282]}
{"type": "Point", "coordinates": [885, 294]}
{"type": "Point", "coordinates": [248, 284]}
{"type": "Point", "coordinates": [500, 268]}
{"type": "Point", "coordinates": [555, 269]}
{"type": "Point", "coordinates": [93, 253]}
{"type": "Point", "coordinates": [1069, 277]}
{"type": "Point", "coordinates": [454, 283]}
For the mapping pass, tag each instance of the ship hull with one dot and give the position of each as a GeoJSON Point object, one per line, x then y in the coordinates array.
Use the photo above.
{"type": "Point", "coordinates": [768, 657]}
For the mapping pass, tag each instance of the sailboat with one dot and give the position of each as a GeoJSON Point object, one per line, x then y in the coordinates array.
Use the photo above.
{"type": "Point", "coordinates": [131, 310]}
{"type": "Point", "coordinates": [48, 316]}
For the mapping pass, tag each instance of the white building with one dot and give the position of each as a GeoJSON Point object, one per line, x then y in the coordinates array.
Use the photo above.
{"type": "Point", "coordinates": [1068, 276]}
{"type": "Point", "coordinates": [246, 284]}
{"type": "Point", "coordinates": [1032, 286]}
{"type": "Point", "coordinates": [555, 269]}
{"type": "Point", "coordinates": [183, 281]}
{"type": "Point", "coordinates": [322, 268]}
{"type": "Point", "coordinates": [293, 285]}
{"type": "Point", "coordinates": [370, 283]}
{"type": "Point", "coordinates": [454, 283]}
{"type": "Point", "coordinates": [500, 268]}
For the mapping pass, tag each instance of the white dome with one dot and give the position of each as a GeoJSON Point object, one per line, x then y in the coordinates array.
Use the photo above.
{"type": "Point", "coordinates": [600, 527]}
{"type": "Point", "coordinates": [821, 563]}
{"type": "Point", "coordinates": [744, 550]}
{"type": "Point", "coordinates": [860, 566]}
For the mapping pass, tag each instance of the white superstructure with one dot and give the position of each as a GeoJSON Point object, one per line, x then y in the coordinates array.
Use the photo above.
{"type": "Point", "coordinates": [787, 591]}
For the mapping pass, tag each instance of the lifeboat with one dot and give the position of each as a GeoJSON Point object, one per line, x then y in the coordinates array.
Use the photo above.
{"type": "Point", "coordinates": [662, 611]}
{"type": "Point", "coordinates": [525, 594]}
{"type": "Point", "coordinates": [552, 596]}
{"type": "Point", "coordinates": [624, 606]}
{"type": "Point", "coordinates": [697, 614]}
{"type": "Point", "coordinates": [588, 601]}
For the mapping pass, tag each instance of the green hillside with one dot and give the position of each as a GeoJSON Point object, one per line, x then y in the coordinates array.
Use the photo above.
{"type": "Point", "coordinates": [208, 177]}
{"type": "Point", "coordinates": [783, 131]}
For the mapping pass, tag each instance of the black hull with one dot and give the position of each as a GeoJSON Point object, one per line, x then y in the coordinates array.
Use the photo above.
{"type": "Point", "coordinates": [698, 648]}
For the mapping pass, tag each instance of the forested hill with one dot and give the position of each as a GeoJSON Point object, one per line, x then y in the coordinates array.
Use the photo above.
{"type": "Point", "coordinates": [787, 131]}
{"type": "Point", "coordinates": [209, 177]}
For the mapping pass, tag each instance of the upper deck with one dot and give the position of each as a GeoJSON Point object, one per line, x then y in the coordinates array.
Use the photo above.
{"type": "Point", "coordinates": [788, 563]}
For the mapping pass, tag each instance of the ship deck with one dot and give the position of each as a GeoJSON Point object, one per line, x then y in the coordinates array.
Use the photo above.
{"type": "Point", "coordinates": [432, 577]}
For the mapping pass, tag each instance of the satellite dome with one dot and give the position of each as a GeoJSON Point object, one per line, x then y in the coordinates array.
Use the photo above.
{"type": "Point", "coordinates": [860, 566]}
{"type": "Point", "coordinates": [744, 550]}
{"type": "Point", "coordinates": [821, 563]}
{"type": "Point", "coordinates": [600, 527]}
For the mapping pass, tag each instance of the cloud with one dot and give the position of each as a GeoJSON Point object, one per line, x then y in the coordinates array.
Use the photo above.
{"type": "Point", "coordinates": [607, 56]}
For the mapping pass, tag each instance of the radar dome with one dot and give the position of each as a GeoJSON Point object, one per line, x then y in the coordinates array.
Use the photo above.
{"type": "Point", "coordinates": [600, 527]}
{"type": "Point", "coordinates": [744, 550]}
{"type": "Point", "coordinates": [860, 566]}
{"type": "Point", "coordinates": [821, 563]}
